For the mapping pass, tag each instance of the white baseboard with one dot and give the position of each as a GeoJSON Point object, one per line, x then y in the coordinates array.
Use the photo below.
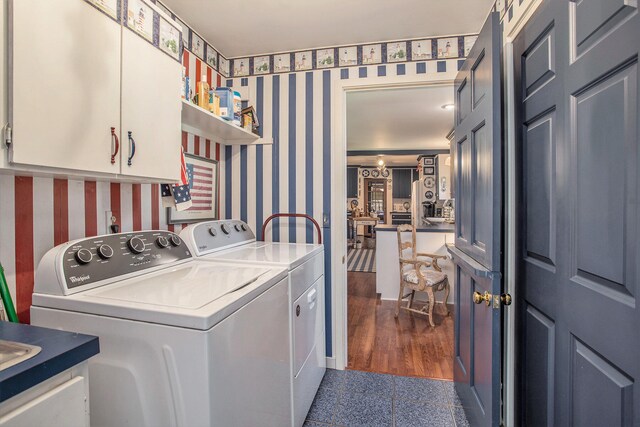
{"type": "Point", "coordinates": [331, 362]}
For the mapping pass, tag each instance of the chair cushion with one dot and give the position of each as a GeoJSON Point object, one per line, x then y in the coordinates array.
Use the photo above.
{"type": "Point", "coordinates": [431, 276]}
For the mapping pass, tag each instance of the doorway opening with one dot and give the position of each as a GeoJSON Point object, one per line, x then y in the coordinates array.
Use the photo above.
{"type": "Point", "coordinates": [398, 172]}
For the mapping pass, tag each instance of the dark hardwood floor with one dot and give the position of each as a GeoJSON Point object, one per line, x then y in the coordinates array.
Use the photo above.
{"type": "Point", "coordinates": [406, 346]}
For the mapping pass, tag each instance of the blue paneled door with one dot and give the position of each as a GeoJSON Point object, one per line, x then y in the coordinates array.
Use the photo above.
{"type": "Point", "coordinates": [577, 93]}
{"type": "Point", "coordinates": [477, 154]}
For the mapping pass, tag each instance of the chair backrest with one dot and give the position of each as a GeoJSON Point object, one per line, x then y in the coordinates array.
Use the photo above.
{"type": "Point", "coordinates": [404, 245]}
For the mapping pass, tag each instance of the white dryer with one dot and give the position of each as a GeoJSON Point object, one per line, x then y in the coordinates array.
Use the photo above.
{"type": "Point", "coordinates": [183, 342]}
{"type": "Point", "coordinates": [233, 241]}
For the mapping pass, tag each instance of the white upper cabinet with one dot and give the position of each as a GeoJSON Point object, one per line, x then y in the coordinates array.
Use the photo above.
{"type": "Point", "coordinates": [65, 83]}
{"type": "Point", "coordinates": [147, 102]}
{"type": "Point", "coordinates": [81, 80]}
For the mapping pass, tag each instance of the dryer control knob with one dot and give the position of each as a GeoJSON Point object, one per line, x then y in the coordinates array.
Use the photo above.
{"type": "Point", "coordinates": [212, 231]}
{"type": "Point", "coordinates": [105, 251]}
{"type": "Point", "coordinates": [84, 256]}
{"type": "Point", "coordinates": [175, 240]}
{"type": "Point", "coordinates": [237, 227]}
{"type": "Point", "coordinates": [244, 227]}
{"type": "Point", "coordinates": [136, 245]}
{"type": "Point", "coordinates": [225, 228]}
{"type": "Point", "coordinates": [162, 242]}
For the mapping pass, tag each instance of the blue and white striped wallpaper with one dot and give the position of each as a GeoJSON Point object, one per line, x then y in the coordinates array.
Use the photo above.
{"type": "Point", "coordinates": [293, 174]}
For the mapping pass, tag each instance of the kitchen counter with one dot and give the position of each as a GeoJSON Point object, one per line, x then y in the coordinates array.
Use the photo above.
{"type": "Point", "coordinates": [60, 351]}
{"type": "Point", "coordinates": [435, 228]}
{"type": "Point", "coordinates": [430, 239]}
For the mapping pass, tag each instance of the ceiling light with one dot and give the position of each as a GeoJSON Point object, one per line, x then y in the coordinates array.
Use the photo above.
{"type": "Point", "coordinates": [448, 107]}
{"type": "Point", "coordinates": [380, 162]}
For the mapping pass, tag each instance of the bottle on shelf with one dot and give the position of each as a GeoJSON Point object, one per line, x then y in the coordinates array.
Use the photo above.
{"type": "Point", "coordinates": [237, 108]}
{"type": "Point", "coordinates": [184, 92]}
{"type": "Point", "coordinates": [225, 95]}
{"type": "Point", "coordinates": [214, 102]}
{"type": "Point", "coordinates": [203, 92]}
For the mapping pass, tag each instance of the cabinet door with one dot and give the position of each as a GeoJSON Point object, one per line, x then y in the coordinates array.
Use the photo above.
{"type": "Point", "coordinates": [64, 405]}
{"type": "Point", "coordinates": [65, 82]}
{"type": "Point", "coordinates": [352, 182]}
{"type": "Point", "coordinates": [401, 183]}
{"type": "Point", "coordinates": [151, 110]}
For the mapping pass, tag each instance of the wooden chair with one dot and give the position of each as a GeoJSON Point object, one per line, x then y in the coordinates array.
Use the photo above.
{"type": "Point", "coordinates": [424, 275]}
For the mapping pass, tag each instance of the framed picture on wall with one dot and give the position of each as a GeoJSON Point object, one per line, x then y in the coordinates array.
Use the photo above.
{"type": "Point", "coordinates": [203, 185]}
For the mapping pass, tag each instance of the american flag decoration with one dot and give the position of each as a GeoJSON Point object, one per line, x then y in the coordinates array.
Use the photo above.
{"type": "Point", "coordinates": [178, 196]}
{"type": "Point", "coordinates": [201, 187]}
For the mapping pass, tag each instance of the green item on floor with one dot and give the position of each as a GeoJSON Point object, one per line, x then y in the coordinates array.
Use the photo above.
{"type": "Point", "coordinates": [6, 298]}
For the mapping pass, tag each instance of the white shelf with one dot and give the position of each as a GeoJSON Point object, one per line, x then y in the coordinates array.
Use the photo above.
{"type": "Point", "coordinates": [201, 122]}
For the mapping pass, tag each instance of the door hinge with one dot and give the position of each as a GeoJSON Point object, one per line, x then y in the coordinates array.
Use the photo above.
{"type": "Point", "coordinates": [8, 135]}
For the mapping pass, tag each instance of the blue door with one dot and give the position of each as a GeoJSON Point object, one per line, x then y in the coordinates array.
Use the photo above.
{"type": "Point", "coordinates": [577, 135]}
{"type": "Point", "coordinates": [477, 154]}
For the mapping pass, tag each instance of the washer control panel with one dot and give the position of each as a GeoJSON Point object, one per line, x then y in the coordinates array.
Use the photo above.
{"type": "Point", "coordinates": [104, 257]}
{"type": "Point", "coordinates": [211, 236]}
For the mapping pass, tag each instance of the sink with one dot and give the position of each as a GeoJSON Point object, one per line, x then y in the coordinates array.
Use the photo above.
{"type": "Point", "coordinates": [12, 353]}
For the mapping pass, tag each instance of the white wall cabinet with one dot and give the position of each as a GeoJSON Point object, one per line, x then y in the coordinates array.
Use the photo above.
{"type": "Point", "coordinates": [75, 74]}
{"type": "Point", "coordinates": [147, 104]}
{"type": "Point", "coordinates": [65, 83]}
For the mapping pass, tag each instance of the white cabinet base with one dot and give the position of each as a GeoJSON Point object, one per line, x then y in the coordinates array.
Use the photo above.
{"type": "Point", "coordinates": [59, 401]}
{"type": "Point", "coordinates": [388, 268]}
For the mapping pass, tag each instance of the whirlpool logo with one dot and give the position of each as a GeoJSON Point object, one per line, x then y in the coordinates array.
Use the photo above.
{"type": "Point", "coordinates": [79, 279]}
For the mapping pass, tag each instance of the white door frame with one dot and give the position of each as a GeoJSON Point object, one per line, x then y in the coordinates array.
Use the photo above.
{"type": "Point", "coordinates": [339, 91]}
{"type": "Point", "coordinates": [509, 363]}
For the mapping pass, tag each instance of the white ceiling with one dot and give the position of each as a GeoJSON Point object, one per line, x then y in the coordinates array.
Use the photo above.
{"type": "Point", "coordinates": [389, 160]}
{"type": "Point", "coordinates": [250, 27]}
{"type": "Point", "coordinates": [399, 119]}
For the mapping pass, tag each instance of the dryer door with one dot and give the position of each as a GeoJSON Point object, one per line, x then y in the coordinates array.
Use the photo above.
{"type": "Point", "coordinates": [305, 319]}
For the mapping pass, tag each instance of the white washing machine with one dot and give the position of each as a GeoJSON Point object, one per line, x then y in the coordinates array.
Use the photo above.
{"type": "Point", "coordinates": [233, 241]}
{"type": "Point", "coordinates": [182, 342]}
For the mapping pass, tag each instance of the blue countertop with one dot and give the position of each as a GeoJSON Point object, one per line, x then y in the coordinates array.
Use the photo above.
{"type": "Point", "coordinates": [60, 351]}
{"type": "Point", "coordinates": [435, 228]}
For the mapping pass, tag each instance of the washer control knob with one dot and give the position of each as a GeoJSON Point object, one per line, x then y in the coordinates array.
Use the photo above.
{"type": "Point", "coordinates": [136, 245]}
{"type": "Point", "coordinates": [162, 242]}
{"type": "Point", "coordinates": [105, 251]}
{"type": "Point", "coordinates": [212, 231]}
{"type": "Point", "coordinates": [84, 256]}
{"type": "Point", "coordinates": [225, 228]}
{"type": "Point", "coordinates": [175, 240]}
{"type": "Point", "coordinates": [237, 227]}
{"type": "Point", "coordinates": [244, 227]}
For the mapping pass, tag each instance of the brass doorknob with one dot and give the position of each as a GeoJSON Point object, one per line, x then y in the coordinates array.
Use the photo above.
{"type": "Point", "coordinates": [505, 299]}
{"type": "Point", "coordinates": [478, 297]}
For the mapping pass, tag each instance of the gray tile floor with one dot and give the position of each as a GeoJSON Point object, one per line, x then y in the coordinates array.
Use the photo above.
{"type": "Point", "coordinates": [355, 398]}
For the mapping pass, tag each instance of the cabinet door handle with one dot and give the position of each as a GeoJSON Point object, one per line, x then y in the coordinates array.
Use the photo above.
{"type": "Point", "coordinates": [132, 148]}
{"type": "Point", "coordinates": [115, 145]}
